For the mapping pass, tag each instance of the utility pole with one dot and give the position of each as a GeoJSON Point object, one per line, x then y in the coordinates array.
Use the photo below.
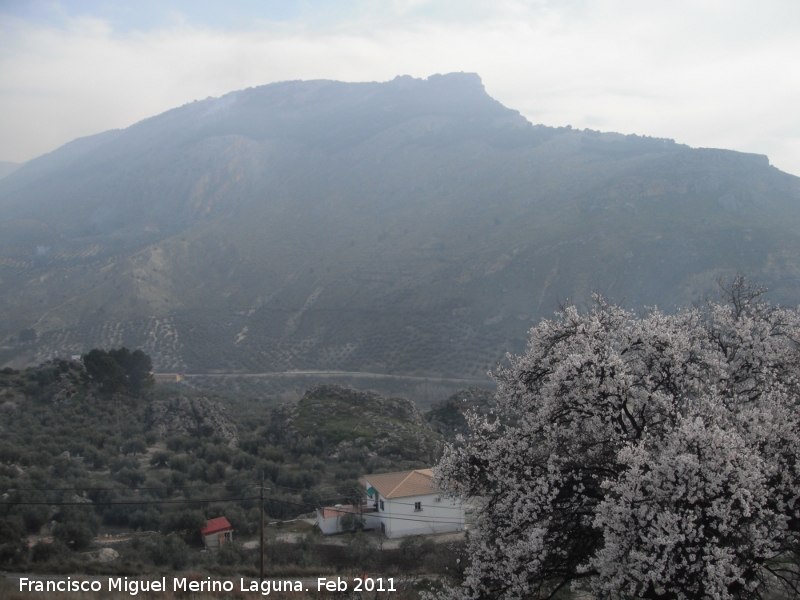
{"type": "Point", "coordinates": [261, 511]}
{"type": "Point", "coordinates": [116, 403]}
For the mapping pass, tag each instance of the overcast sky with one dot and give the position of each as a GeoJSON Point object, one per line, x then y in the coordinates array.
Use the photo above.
{"type": "Point", "coordinates": [712, 73]}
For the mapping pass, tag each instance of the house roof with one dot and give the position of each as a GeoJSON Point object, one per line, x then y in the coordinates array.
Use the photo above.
{"type": "Point", "coordinates": [216, 525]}
{"type": "Point", "coordinates": [403, 483]}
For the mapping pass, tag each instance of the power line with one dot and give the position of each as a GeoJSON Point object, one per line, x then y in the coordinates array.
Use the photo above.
{"type": "Point", "coordinates": [321, 500]}
{"type": "Point", "coordinates": [126, 489]}
{"type": "Point", "coordinates": [165, 487]}
{"type": "Point", "coordinates": [158, 501]}
{"type": "Point", "coordinates": [361, 492]}
{"type": "Point", "coordinates": [428, 520]}
{"type": "Point", "coordinates": [126, 502]}
{"type": "Point", "coordinates": [391, 516]}
{"type": "Point", "coordinates": [397, 502]}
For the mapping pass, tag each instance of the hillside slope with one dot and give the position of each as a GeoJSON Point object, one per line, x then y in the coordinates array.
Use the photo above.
{"type": "Point", "coordinates": [338, 422]}
{"type": "Point", "coordinates": [413, 227]}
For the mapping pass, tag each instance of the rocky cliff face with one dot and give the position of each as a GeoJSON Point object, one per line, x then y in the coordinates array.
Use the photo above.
{"type": "Point", "coordinates": [191, 416]}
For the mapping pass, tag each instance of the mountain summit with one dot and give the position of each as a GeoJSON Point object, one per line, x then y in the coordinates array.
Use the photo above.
{"type": "Point", "coordinates": [413, 227]}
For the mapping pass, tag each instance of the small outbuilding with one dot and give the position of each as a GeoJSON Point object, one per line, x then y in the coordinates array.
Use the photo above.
{"type": "Point", "coordinates": [216, 533]}
{"type": "Point", "coordinates": [330, 519]}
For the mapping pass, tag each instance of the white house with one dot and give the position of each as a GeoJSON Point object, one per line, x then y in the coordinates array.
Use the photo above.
{"type": "Point", "coordinates": [403, 503]}
{"type": "Point", "coordinates": [407, 503]}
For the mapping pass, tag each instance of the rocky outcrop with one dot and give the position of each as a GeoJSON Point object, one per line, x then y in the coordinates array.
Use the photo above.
{"type": "Point", "coordinates": [191, 416]}
{"type": "Point", "coordinates": [66, 391]}
{"type": "Point", "coordinates": [447, 417]}
{"type": "Point", "coordinates": [281, 428]}
{"type": "Point", "coordinates": [10, 401]}
{"type": "Point", "coordinates": [104, 555]}
{"type": "Point", "coordinates": [330, 419]}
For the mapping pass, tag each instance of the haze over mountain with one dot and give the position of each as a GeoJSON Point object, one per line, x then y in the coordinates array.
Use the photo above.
{"type": "Point", "coordinates": [6, 167]}
{"type": "Point", "coordinates": [413, 227]}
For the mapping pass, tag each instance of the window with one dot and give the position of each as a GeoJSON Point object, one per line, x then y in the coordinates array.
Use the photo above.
{"type": "Point", "coordinates": [417, 506]}
{"type": "Point", "coordinates": [382, 508]}
{"type": "Point", "coordinates": [227, 536]}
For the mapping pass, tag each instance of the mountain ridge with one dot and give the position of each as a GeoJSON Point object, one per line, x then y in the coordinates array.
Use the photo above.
{"type": "Point", "coordinates": [413, 227]}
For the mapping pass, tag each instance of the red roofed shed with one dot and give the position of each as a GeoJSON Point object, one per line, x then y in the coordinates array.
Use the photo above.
{"type": "Point", "coordinates": [216, 533]}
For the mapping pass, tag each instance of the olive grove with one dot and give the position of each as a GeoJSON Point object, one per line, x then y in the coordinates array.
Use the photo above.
{"type": "Point", "coordinates": [651, 456]}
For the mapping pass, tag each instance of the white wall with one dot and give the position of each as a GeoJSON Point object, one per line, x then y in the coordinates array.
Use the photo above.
{"type": "Point", "coordinates": [400, 518]}
{"type": "Point", "coordinates": [332, 524]}
{"type": "Point", "coordinates": [212, 540]}
{"type": "Point", "coordinates": [328, 526]}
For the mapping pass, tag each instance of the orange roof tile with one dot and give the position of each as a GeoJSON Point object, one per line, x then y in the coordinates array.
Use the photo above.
{"type": "Point", "coordinates": [403, 483]}
{"type": "Point", "coordinates": [216, 525]}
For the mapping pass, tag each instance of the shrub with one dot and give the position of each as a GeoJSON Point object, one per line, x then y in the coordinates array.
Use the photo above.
{"type": "Point", "coordinates": [116, 515]}
{"type": "Point", "coordinates": [34, 516]}
{"type": "Point", "coordinates": [13, 548]}
{"type": "Point", "coordinates": [272, 453]}
{"type": "Point", "coordinates": [180, 462]}
{"type": "Point", "coordinates": [169, 550]}
{"type": "Point", "coordinates": [198, 470]}
{"type": "Point", "coordinates": [175, 479]}
{"type": "Point", "coordinates": [160, 459]}
{"type": "Point", "coordinates": [296, 479]}
{"type": "Point", "coordinates": [251, 443]}
{"type": "Point", "coordinates": [146, 520]}
{"type": "Point", "coordinates": [184, 521]}
{"type": "Point", "coordinates": [346, 474]}
{"type": "Point", "coordinates": [231, 554]}
{"type": "Point", "coordinates": [211, 453]}
{"type": "Point", "coordinates": [351, 522]}
{"type": "Point", "coordinates": [119, 370]}
{"type": "Point", "coordinates": [96, 458]}
{"type": "Point", "coordinates": [271, 470]}
{"type": "Point", "coordinates": [137, 367]}
{"type": "Point", "coordinates": [77, 526]}
{"type": "Point", "coordinates": [134, 446]}
{"type": "Point", "coordinates": [104, 370]}
{"type": "Point", "coordinates": [183, 443]}
{"type": "Point", "coordinates": [312, 464]}
{"type": "Point", "coordinates": [243, 461]}
{"type": "Point", "coordinates": [215, 473]}
{"type": "Point", "coordinates": [123, 462]}
{"type": "Point", "coordinates": [45, 552]}
{"type": "Point", "coordinates": [130, 477]}
{"type": "Point", "coordinates": [416, 548]}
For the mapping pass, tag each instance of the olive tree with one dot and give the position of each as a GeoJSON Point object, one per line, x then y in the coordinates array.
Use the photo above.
{"type": "Point", "coordinates": [651, 456]}
{"type": "Point", "coordinates": [119, 369]}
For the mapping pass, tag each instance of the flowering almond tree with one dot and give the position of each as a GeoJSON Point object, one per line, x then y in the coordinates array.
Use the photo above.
{"type": "Point", "coordinates": [649, 456]}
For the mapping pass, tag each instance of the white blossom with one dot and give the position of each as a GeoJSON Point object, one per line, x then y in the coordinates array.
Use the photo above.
{"type": "Point", "coordinates": [649, 456]}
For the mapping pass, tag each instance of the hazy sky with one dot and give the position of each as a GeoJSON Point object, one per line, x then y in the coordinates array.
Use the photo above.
{"type": "Point", "coordinates": [719, 73]}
